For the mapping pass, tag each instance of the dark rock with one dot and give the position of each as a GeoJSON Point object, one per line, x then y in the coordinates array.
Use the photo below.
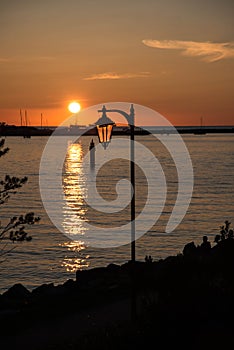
{"type": "Point", "coordinates": [70, 284]}
{"type": "Point", "coordinates": [17, 292]}
{"type": "Point", "coordinates": [44, 290]}
{"type": "Point", "coordinates": [114, 267]}
{"type": "Point", "coordinates": [87, 276]}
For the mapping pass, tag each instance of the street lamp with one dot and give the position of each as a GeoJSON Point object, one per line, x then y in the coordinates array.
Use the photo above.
{"type": "Point", "coordinates": [105, 128]}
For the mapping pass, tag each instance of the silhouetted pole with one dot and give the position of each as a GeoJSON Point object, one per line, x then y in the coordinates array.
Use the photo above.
{"type": "Point", "coordinates": [92, 153]}
{"type": "Point", "coordinates": [131, 122]}
{"type": "Point", "coordinates": [132, 174]}
{"type": "Point", "coordinates": [133, 215]}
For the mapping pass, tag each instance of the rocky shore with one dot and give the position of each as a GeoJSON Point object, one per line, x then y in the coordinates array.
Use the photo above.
{"type": "Point", "coordinates": [183, 299]}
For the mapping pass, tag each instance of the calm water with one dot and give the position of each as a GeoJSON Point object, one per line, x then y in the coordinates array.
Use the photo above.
{"type": "Point", "coordinates": [52, 257]}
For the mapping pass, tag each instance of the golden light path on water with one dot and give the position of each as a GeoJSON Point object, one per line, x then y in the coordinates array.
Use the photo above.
{"type": "Point", "coordinates": [77, 262]}
{"type": "Point", "coordinates": [74, 186]}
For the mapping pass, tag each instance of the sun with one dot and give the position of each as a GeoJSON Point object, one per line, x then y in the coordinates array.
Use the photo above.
{"type": "Point", "coordinates": [74, 107]}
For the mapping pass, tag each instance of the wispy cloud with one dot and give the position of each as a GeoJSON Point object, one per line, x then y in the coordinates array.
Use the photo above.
{"type": "Point", "coordinates": [26, 59]}
{"type": "Point", "coordinates": [115, 76]}
{"type": "Point", "coordinates": [209, 51]}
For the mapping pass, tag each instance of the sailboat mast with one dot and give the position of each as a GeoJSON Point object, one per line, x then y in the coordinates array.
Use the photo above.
{"type": "Point", "coordinates": [21, 118]}
{"type": "Point", "coordinates": [26, 118]}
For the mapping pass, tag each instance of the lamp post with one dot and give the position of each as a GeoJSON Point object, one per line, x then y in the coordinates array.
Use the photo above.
{"type": "Point", "coordinates": [105, 128]}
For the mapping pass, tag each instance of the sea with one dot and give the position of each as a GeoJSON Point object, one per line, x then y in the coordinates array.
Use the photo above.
{"type": "Point", "coordinates": [54, 255]}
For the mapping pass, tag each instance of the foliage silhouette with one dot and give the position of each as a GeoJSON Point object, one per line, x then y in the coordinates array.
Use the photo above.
{"type": "Point", "coordinates": [225, 232]}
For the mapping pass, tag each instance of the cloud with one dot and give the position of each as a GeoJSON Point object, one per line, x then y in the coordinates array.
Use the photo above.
{"type": "Point", "coordinates": [25, 59]}
{"type": "Point", "coordinates": [115, 76]}
{"type": "Point", "coordinates": [210, 52]}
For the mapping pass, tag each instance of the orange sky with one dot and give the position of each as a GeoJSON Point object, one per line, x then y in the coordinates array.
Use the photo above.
{"type": "Point", "coordinates": [176, 57]}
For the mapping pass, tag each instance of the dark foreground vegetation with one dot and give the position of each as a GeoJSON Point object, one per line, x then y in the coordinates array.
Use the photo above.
{"type": "Point", "coordinates": [182, 301]}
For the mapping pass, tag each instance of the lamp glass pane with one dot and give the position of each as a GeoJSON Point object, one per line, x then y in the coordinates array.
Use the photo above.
{"type": "Point", "coordinates": [109, 132]}
{"type": "Point", "coordinates": [104, 134]}
{"type": "Point", "coordinates": [100, 134]}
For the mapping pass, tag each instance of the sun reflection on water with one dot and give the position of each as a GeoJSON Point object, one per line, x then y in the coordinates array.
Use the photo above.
{"type": "Point", "coordinates": [74, 210]}
{"type": "Point", "coordinates": [77, 262]}
{"type": "Point", "coordinates": [75, 191]}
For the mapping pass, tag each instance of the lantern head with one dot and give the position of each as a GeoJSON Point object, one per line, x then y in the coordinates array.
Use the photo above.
{"type": "Point", "coordinates": [104, 128]}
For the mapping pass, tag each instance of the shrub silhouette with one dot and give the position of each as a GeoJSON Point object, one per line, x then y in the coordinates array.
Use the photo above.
{"type": "Point", "coordinates": [225, 232]}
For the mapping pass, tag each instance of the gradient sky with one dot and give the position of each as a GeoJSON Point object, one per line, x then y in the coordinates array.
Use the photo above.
{"type": "Point", "coordinates": [174, 56]}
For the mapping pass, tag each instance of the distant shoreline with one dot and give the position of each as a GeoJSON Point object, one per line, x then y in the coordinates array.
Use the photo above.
{"type": "Point", "coordinates": [29, 131]}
